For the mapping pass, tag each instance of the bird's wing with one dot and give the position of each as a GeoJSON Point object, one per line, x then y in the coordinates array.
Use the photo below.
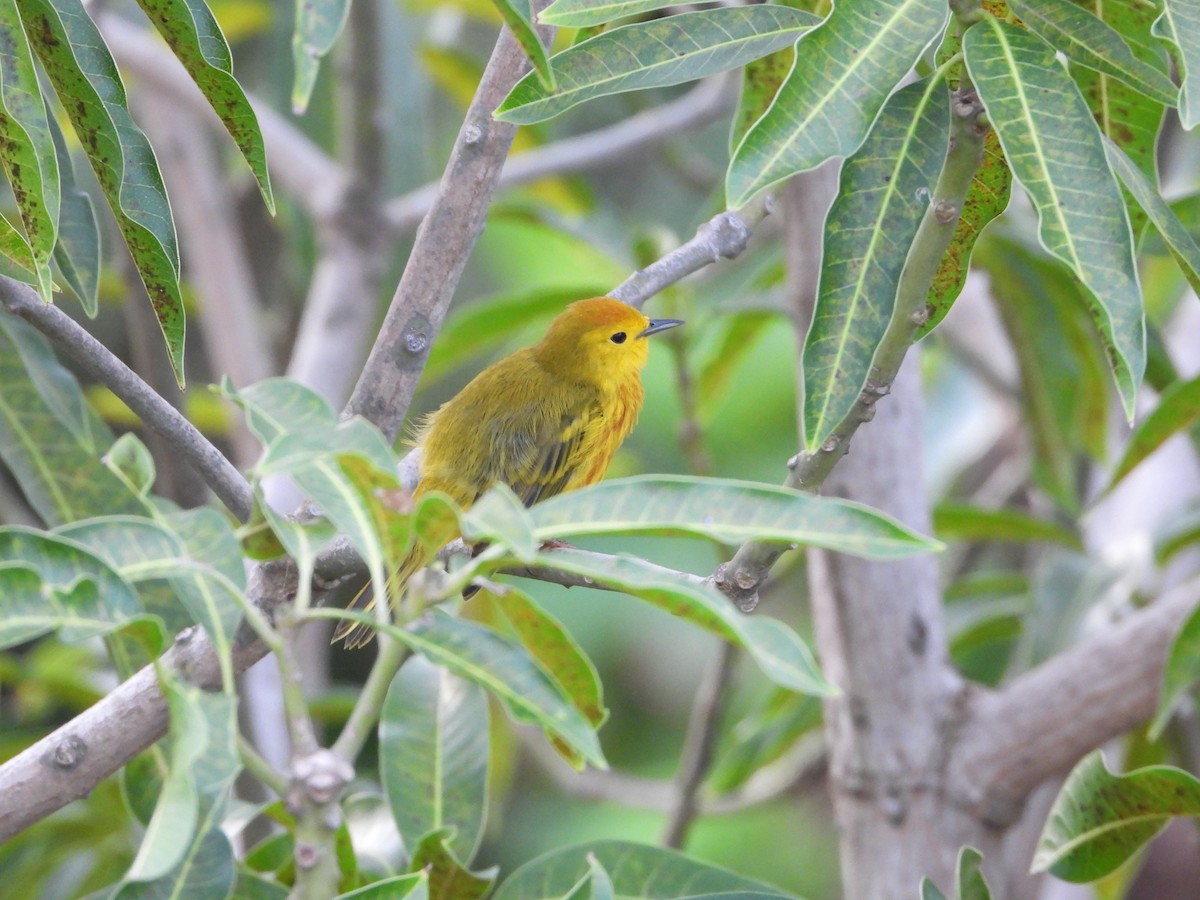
{"type": "Point", "coordinates": [555, 460]}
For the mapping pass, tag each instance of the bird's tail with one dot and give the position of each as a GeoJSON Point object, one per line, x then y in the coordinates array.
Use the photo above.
{"type": "Point", "coordinates": [358, 634]}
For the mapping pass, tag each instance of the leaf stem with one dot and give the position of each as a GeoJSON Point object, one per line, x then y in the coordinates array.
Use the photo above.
{"type": "Point", "coordinates": [370, 700]}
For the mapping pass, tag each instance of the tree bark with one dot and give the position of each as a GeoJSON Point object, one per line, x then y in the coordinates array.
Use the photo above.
{"type": "Point", "coordinates": [882, 641]}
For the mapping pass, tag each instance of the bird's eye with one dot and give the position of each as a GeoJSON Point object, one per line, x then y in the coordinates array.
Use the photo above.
{"type": "Point", "coordinates": [618, 338]}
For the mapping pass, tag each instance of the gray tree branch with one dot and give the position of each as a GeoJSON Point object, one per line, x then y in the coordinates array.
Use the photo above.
{"type": "Point", "coordinates": [99, 363]}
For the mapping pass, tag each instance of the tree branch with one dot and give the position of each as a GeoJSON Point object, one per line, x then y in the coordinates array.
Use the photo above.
{"type": "Point", "coordinates": [724, 236]}
{"type": "Point", "coordinates": [443, 243]}
{"type": "Point", "coordinates": [156, 413]}
{"type": "Point", "coordinates": [603, 147]}
{"type": "Point", "coordinates": [1040, 725]}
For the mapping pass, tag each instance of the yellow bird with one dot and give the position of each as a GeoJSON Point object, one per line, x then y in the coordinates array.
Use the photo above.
{"type": "Point", "coordinates": [543, 420]}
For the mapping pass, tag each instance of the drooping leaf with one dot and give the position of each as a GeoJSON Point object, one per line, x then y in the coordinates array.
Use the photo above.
{"type": "Point", "coordinates": [724, 510]}
{"type": "Point", "coordinates": [762, 736]}
{"type": "Point", "coordinates": [78, 249]}
{"type": "Point", "coordinates": [636, 870]}
{"type": "Point", "coordinates": [1180, 24]}
{"type": "Point", "coordinates": [988, 196]}
{"type": "Point", "coordinates": [496, 664]}
{"type": "Point", "coordinates": [192, 32]}
{"type": "Point", "coordinates": [184, 852]}
{"type": "Point", "coordinates": [884, 192]}
{"type": "Point", "coordinates": [1100, 819]}
{"type": "Point", "coordinates": [1181, 672]}
{"type": "Point", "coordinates": [659, 53]}
{"type": "Point", "coordinates": [1056, 151]}
{"type": "Point", "coordinates": [761, 80]}
{"type": "Point", "coordinates": [1091, 42]}
{"type": "Point", "coordinates": [1064, 376]}
{"type": "Point", "coordinates": [318, 24]}
{"type": "Point", "coordinates": [26, 146]}
{"type": "Point", "coordinates": [962, 522]}
{"type": "Point", "coordinates": [778, 651]}
{"type": "Point", "coordinates": [851, 62]}
{"type": "Point", "coordinates": [1178, 409]}
{"type": "Point", "coordinates": [433, 740]}
{"type": "Point", "coordinates": [970, 882]}
{"type": "Point", "coordinates": [1177, 238]}
{"type": "Point", "coordinates": [50, 439]}
{"type": "Point", "coordinates": [518, 16]}
{"type": "Point", "coordinates": [53, 582]}
{"type": "Point", "coordinates": [1125, 115]}
{"type": "Point", "coordinates": [78, 63]}
{"type": "Point", "coordinates": [559, 654]}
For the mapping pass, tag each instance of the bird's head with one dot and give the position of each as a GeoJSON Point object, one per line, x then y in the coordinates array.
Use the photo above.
{"type": "Point", "coordinates": [601, 341]}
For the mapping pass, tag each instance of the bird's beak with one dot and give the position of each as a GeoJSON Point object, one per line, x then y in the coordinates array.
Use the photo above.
{"type": "Point", "coordinates": [657, 325]}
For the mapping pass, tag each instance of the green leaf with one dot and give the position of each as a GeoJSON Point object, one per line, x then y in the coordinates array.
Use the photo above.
{"type": "Point", "coordinates": [195, 552]}
{"type": "Point", "coordinates": [449, 879]}
{"type": "Point", "coordinates": [762, 736]}
{"type": "Point", "coordinates": [318, 24]}
{"type": "Point", "coordinates": [496, 664]}
{"type": "Point", "coordinates": [969, 875]}
{"type": "Point", "coordinates": [1091, 42]}
{"type": "Point", "coordinates": [595, 885]}
{"type": "Point", "coordinates": [1179, 242]}
{"type": "Point", "coordinates": [78, 249]}
{"type": "Point", "coordinates": [663, 52]}
{"type": "Point", "coordinates": [1182, 671]}
{"type": "Point", "coordinates": [74, 56]}
{"type": "Point", "coordinates": [1056, 152]}
{"type": "Point", "coordinates": [846, 68]}
{"type": "Point", "coordinates": [398, 887]}
{"type": "Point", "coordinates": [884, 192]}
{"type": "Point", "coordinates": [1064, 377]}
{"type": "Point", "coordinates": [184, 852]}
{"type": "Point", "coordinates": [26, 146]}
{"type": "Point", "coordinates": [276, 406]}
{"type": "Point", "coordinates": [130, 460]}
{"type": "Point", "coordinates": [192, 32]}
{"type": "Point", "coordinates": [636, 870]}
{"type": "Point", "coordinates": [15, 249]}
{"type": "Point", "coordinates": [50, 439]}
{"type": "Point", "coordinates": [777, 650]}
{"type": "Point", "coordinates": [1125, 115]}
{"type": "Point", "coordinates": [552, 646]}
{"type": "Point", "coordinates": [500, 517]}
{"type": "Point", "coordinates": [1178, 409]}
{"type": "Point", "coordinates": [1100, 819]}
{"type": "Point", "coordinates": [433, 748]}
{"type": "Point", "coordinates": [250, 886]}
{"type": "Point", "coordinates": [727, 511]}
{"type": "Point", "coordinates": [582, 13]}
{"type": "Point", "coordinates": [1180, 24]}
{"type": "Point", "coordinates": [52, 582]}
{"type": "Point", "coordinates": [987, 197]}
{"type": "Point", "coordinates": [518, 16]}
{"type": "Point", "coordinates": [737, 333]}
{"type": "Point", "coordinates": [961, 522]}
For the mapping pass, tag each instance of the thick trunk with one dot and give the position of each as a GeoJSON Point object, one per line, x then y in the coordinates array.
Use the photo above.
{"type": "Point", "coordinates": [882, 641]}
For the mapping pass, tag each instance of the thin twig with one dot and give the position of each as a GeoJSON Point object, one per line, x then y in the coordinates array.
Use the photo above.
{"type": "Point", "coordinates": [724, 236]}
{"type": "Point", "coordinates": [256, 764]}
{"type": "Point", "coordinates": [698, 746]}
{"type": "Point", "coordinates": [99, 363]}
{"type": "Point", "coordinates": [367, 707]}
